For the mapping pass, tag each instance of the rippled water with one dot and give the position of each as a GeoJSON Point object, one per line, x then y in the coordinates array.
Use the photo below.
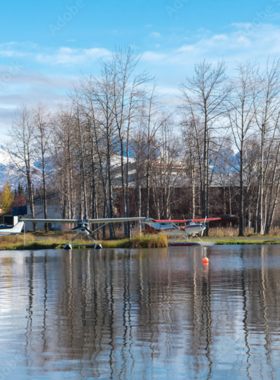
{"type": "Point", "coordinates": [140, 314]}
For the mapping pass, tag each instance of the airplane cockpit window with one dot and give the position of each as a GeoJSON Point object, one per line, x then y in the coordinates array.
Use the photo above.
{"type": "Point", "coordinates": [190, 222]}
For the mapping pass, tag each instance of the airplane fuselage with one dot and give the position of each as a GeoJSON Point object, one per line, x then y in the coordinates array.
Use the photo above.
{"type": "Point", "coordinates": [171, 229]}
{"type": "Point", "coordinates": [82, 232]}
{"type": "Point", "coordinates": [82, 228]}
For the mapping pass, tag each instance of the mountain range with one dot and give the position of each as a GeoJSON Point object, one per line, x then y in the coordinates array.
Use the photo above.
{"type": "Point", "coordinates": [8, 172]}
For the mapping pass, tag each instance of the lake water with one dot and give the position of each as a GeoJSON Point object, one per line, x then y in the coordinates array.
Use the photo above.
{"type": "Point", "coordinates": [140, 314]}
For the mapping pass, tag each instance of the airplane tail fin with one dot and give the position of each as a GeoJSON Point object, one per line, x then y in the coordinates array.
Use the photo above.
{"type": "Point", "coordinates": [17, 228]}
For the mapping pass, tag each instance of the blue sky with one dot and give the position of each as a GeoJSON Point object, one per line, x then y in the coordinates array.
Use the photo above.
{"type": "Point", "coordinates": [44, 46]}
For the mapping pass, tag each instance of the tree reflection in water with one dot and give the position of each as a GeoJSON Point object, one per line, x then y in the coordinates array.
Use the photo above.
{"type": "Point", "coordinates": [123, 314]}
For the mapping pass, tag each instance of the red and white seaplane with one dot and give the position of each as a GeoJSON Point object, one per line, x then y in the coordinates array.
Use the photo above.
{"type": "Point", "coordinates": [180, 230]}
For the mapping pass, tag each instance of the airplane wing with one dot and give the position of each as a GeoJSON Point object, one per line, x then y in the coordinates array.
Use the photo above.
{"type": "Point", "coordinates": [207, 219]}
{"type": "Point", "coordinates": [103, 220]}
{"type": "Point", "coordinates": [50, 220]}
{"type": "Point", "coordinates": [185, 220]}
{"type": "Point", "coordinates": [115, 220]}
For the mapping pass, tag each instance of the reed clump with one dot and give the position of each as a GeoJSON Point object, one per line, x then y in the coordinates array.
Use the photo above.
{"type": "Point", "coordinates": [148, 241]}
{"type": "Point", "coordinates": [139, 241]}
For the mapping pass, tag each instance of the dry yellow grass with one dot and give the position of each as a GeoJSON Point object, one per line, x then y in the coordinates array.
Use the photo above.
{"type": "Point", "coordinates": [234, 232]}
{"type": "Point", "coordinates": [275, 231]}
{"type": "Point", "coordinates": [223, 232]}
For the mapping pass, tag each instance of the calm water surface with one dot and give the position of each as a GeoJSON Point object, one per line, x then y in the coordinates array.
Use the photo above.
{"type": "Point", "coordinates": [140, 314]}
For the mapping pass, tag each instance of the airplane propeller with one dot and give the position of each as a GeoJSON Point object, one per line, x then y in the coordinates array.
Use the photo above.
{"type": "Point", "coordinates": [202, 232]}
{"type": "Point", "coordinates": [88, 231]}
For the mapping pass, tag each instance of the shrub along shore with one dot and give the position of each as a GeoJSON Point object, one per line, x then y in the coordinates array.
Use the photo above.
{"type": "Point", "coordinates": [41, 240]}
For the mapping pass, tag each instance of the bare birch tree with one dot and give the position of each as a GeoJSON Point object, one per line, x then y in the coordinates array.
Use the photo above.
{"type": "Point", "coordinates": [129, 91]}
{"type": "Point", "coordinates": [22, 151]}
{"type": "Point", "coordinates": [205, 95]}
{"type": "Point", "coordinates": [266, 111]}
{"type": "Point", "coordinates": [42, 135]}
{"type": "Point", "coordinates": [241, 116]}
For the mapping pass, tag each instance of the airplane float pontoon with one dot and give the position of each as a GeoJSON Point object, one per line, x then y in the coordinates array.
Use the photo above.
{"type": "Point", "coordinates": [82, 226]}
{"type": "Point", "coordinates": [180, 230]}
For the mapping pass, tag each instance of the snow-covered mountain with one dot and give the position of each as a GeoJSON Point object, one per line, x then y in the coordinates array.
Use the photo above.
{"type": "Point", "coordinates": [8, 171]}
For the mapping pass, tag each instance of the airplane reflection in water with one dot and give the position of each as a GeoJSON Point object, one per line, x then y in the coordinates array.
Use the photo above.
{"type": "Point", "coordinates": [134, 314]}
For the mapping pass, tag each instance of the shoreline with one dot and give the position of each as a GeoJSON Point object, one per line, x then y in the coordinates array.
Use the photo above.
{"type": "Point", "coordinates": [136, 242]}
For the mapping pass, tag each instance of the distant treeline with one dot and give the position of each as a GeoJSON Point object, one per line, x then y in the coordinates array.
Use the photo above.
{"type": "Point", "coordinates": [223, 134]}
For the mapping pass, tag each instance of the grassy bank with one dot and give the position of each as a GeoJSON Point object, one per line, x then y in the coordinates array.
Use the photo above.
{"type": "Point", "coordinates": [41, 240]}
{"type": "Point", "coordinates": [56, 241]}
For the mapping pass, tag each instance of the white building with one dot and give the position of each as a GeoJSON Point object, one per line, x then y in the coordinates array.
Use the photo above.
{"type": "Point", "coordinates": [53, 210]}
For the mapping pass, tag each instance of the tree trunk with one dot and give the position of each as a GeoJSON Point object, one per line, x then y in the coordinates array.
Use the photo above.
{"type": "Point", "coordinates": [241, 205]}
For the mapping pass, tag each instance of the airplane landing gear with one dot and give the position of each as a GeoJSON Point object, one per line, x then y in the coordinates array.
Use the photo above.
{"type": "Point", "coordinates": [97, 246]}
{"type": "Point", "coordinates": [69, 246]}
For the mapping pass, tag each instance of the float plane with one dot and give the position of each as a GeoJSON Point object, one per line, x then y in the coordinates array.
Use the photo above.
{"type": "Point", "coordinates": [179, 229]}
{"type": "Point", "coordinates": [82, 226]}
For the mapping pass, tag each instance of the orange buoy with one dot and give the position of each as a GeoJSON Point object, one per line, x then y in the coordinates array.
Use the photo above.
{"type": "Point", "coordinates": [205, 260]}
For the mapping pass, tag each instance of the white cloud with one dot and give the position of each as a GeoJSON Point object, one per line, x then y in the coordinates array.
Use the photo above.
{"type": "Point", "coordinates": [242, 42]}
{"type": "Point", "coordinates": [16, 50]}
{"type": "Point", "coordinates": [63, 55]}
{"type": "Point", "coordinates": [19, 85]}
{"type": "Point", "coordinates": [185, 48]}
{"type": "Point", "coordinates": [220, 37]}
{"type": "Point", "coordinates": [69, 56]}
{"type": "Point", "coordinates": [151, 56]}
{"type": "Point", "coordinates": [155, 35]}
